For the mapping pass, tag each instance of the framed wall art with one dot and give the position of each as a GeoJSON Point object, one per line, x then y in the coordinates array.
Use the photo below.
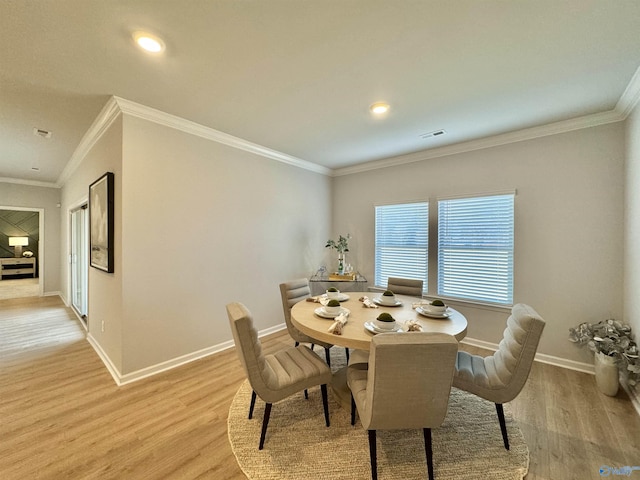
{"type": "Point", "coordinates": [101, 223]}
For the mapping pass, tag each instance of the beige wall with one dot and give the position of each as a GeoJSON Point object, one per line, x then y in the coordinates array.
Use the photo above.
{"type": "Point", "coordinates": [105, 289]}
{"type": "Point", "coordinates": [632, 224]}
{"type": "Point", "coordinates": [17, 195]}
{"type": "Point", "coordinates": [203, 225]}
{"type": "Point", "coordinates": [568, 223]}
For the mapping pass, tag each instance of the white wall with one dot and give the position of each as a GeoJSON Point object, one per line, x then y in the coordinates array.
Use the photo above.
{"type": "Point", "coordinates": [18, 195]}
{"type": "Point", "coordinates": [105, 289]}
{"type": "Point", "coordinates": [204, 224]}
{"type": "Point", "coordinates": [632, 224]}
{"type": "Point", "coordinates": [568, 216]}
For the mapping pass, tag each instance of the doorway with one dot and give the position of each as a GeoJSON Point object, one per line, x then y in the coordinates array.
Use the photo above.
{"type": "Point", "coordinates": [79, 260]}
{"type": "Point", "coordinates": [21, 252]}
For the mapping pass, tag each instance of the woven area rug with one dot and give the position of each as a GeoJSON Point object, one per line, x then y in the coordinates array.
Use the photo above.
{"type": "Point", "coordinates": [299, 445]}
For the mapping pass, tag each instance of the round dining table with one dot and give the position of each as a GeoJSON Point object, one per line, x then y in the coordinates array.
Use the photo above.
{"type": "Point", "coordinates": [307, 318]}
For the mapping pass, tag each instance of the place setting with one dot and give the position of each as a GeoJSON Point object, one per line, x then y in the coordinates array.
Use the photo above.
{"type": "Point", "coordinates": [387, 299]}
{"type": "Point", "coordinates": [433, 309]}
{"type": "Point", "coordinates": [331, 294]}
{"type": "Point", "coordinates": [331, 310]}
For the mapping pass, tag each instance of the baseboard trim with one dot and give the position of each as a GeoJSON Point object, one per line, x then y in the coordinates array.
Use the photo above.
{"type": "Point", "coordinates": [634, 396]}
{"type": "Point", "coordinates": [111, 368]}
{"type": "Point", "coordinates": [146, 372]}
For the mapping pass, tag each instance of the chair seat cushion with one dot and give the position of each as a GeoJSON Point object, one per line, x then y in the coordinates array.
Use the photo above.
{"type": "Point", "coordinates": [292, 370]}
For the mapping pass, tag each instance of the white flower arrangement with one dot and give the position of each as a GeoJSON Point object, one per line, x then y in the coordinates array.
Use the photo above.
{"type": "Point", "coordinates": [611, 338]}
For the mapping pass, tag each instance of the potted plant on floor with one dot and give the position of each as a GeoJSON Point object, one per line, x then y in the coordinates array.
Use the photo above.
{"type": "Point", "coordinates": [614, 348]}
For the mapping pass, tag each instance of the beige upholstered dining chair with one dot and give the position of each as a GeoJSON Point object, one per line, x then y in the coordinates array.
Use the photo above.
{"type": "Point", "coordinates": [500, 377]}
{"type": "Point", "coordinates": [405, 286]}
{"type": "Point", "coordinates": [293, 292]}
{"type": "Point", "coordinates": [277, 376]}
{"type": "Point", "coordinates": [414, 370]}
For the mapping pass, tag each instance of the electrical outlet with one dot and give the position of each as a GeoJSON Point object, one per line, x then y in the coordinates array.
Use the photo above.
{"type": "Point", "coordinates": [102, 325]}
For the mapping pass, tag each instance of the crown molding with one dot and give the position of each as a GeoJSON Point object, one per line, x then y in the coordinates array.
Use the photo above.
{"type": "Point", "coordinates": [630, 97]}
{"type": "Point", "coordinates": [578, 123]}
{"type": "Point", "coordinates": [116, 106]}
{"type": "Point", "coordinates": [162, 118]}
{"type": "Point", "coordinates": [32, 183]}
{"type": "Point", "coordinates": [103, 121]}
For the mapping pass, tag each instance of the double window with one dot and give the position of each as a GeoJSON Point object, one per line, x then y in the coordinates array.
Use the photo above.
{"type": "Point", "coordinates": [474, 251]}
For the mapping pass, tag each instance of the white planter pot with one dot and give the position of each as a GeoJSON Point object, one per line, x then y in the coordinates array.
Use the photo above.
{"type": "Point", "coordinates": [606, 374]}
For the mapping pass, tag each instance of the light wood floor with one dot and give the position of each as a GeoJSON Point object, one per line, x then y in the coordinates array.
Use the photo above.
{"type": "Point", "coordinates": [63, 417]}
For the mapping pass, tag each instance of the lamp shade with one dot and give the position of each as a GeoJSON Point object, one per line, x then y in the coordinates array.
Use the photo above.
{"type": "Point", "coordinates": [18, 241]}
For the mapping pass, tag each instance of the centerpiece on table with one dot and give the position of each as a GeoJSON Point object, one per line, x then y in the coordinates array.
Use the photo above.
{"type": "Point", "coordinates": [342, 246]}
{"type": "Point", "coordinates": [614, 348]}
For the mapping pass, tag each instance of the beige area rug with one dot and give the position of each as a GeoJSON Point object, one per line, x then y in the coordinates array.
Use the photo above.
{"type": "Point", "coordinates": [299, 446]}
{"type": "Point", "coordinates": [19, 288]}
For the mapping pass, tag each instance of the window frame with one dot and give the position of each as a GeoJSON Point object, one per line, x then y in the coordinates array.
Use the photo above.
{"type": "Point", "coordinates": [494, 299]}
{"type": "Point", "coordinates": [423, 235]}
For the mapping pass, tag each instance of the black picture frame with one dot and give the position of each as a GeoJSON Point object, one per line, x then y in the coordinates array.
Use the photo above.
{"type": "Point", "coordinates": [101, 223]}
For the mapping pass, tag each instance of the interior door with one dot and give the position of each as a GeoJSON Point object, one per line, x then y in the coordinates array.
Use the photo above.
{"type": "Point", "coordinates": [79, 260]}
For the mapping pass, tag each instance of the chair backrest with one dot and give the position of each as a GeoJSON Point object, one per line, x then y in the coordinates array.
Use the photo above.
{"type": "Point", "coordinates": [508, 369]}
{"type": "Point", "coordinates": [405, 286]}
{"type": "Point", "coordinates": [293, 292]}
{"type": "Point", "coordinates": [245, 336]}
{"type": "Point", "coordinates": [409, 380]}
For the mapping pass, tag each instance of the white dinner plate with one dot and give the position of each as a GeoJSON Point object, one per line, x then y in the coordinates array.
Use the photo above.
{"type": "Point", "coordinates": [381, 303]}
{"type": "Point", "coordinates": [321, 312]}
{"type": "Point", "coordinates": [429, 314]}
{"type": "Point", "coordinates": [373, 329]}
{"type": "Point", "coordinates": [342, 297]}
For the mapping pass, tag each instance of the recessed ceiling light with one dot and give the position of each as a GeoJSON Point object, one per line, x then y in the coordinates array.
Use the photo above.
{"type": "Point", "coordinates": [379, 108]}
{"type": "Point", "coordinates": [149, 43]}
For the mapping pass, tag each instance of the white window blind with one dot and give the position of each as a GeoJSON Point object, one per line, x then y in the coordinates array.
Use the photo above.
{"type": "Point", "coordinates": [402, 242]}
{"type": "Point", "coordinates": [475, 248]}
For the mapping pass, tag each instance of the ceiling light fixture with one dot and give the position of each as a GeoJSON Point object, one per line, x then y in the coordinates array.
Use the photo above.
{"type": "Point", "coordinates": [148, 42]}
{"type": "Point", "coordinates": [379, 108]}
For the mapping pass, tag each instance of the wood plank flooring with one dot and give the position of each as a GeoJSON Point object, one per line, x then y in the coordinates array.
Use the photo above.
{"type": "Point", "coordinates": [63, 417]}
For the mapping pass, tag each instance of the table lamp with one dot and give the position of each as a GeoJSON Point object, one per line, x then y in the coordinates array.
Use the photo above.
{"type": "Point", "coordinates": [17, 243]}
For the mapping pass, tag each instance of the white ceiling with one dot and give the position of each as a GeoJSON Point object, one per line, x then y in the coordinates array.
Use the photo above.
{"type": "Point", "coordinates": [298, 76]}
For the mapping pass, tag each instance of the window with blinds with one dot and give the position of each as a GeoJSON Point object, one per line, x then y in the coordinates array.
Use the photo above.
{"type": "Point", "coordinates": [475, 248]}
{"type": "Point", "coordinates": [402, 242]}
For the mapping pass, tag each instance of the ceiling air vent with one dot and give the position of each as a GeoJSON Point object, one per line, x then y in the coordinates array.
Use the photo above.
{"type": "Point", "coordinates": [41, 133]}
{"type": "Point", "coordinates": [435, 133]}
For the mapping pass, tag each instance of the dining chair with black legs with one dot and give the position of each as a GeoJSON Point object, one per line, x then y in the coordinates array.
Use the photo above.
{"type": "Point", "coordinates": [500, 377]}
{"type": "Point", "coordinates": [413, 371]}
{"type": "Point", "coordinates": [291, 293]}
{"type": "Point", "coordinates": [277, 376]}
